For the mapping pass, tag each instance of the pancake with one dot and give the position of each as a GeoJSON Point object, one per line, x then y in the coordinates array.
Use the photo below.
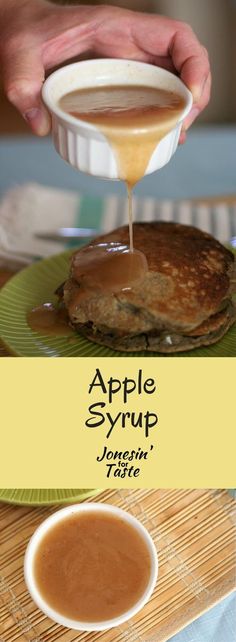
{"type": "Point", "coordinates": [183, 301]}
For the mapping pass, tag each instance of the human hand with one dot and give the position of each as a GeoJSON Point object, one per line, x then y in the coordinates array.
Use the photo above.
{"type": "Point", "coordinates": [37, 35]}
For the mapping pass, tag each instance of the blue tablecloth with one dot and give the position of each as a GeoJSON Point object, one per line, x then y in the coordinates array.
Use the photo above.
{"type": "Point", "coordinates": [204, 166]}
{"type": "Point", "coordinates": [217, 625]}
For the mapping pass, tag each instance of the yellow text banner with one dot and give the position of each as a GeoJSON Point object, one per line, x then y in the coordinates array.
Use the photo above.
{"type": "Point", "coordinates": [121, 422]}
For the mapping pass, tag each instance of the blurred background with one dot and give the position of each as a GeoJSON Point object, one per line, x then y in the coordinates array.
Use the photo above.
{"type": "Point", "coordinates": [214, 22]}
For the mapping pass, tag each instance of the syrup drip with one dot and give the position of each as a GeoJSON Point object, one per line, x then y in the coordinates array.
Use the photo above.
{"type": "Point", "coordinates": [134, 119]}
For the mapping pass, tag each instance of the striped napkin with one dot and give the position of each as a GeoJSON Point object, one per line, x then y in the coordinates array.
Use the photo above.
{"type": "Point", "coordinates": [29, 209]}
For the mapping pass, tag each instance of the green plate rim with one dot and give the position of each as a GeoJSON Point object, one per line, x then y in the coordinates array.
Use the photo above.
{"type": "Point", "coordinates": [84, 345]}
{"type": "Point", "coordinates": [80, 497]}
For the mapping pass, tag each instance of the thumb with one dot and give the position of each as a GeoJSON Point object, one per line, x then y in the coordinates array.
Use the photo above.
{"type": "Point", "coordinates": [23, 76]}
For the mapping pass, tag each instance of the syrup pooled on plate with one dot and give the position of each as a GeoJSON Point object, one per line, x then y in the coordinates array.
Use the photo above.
{"type": "Point", "coordinates": [50, 320]}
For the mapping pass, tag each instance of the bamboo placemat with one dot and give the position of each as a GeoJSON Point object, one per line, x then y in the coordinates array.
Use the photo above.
{"type": "Point", "coordinates": [195, 537]}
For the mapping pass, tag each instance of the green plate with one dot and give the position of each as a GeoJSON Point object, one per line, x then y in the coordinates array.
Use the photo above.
{"type": "Point", "coordinates": [35, 285]}
{"type": "Point", "coordinates": [45, 496]}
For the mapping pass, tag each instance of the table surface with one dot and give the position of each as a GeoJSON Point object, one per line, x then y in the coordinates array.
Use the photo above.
{"type": "Point", "coordinates": [203, 167]}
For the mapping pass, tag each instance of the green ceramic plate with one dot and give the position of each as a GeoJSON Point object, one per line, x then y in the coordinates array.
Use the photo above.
{"type": "Point", "coordinates": [35, 285]}
{"type": "Point", "coordinates": [45, 496]}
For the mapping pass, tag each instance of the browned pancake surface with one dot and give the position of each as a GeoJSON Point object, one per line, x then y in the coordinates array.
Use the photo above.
{"type": "Point", "coordinates": [188, 278]}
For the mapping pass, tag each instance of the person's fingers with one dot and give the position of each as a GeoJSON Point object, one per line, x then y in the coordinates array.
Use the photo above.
{"type": "Point", "coordinates": [196, 109]}
{"type": "Point", "coordinates": [204, 100]}
{"type": "Point", "coordinates": [165, 62]}
{"type": "Point", "coordinates": [23, 76]}
{"type": "Point", "coordinates": [190, 60]}
{"type": "Point", "coordinates": [164, 38]}
{"type": "Point", "coordinates": [182, 137]}
{"type": "Point", "coordinates": [193, 114]}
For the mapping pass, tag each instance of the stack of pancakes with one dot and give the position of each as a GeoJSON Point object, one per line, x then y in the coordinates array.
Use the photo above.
{"type": "Point", "coordinates": [185, 300]}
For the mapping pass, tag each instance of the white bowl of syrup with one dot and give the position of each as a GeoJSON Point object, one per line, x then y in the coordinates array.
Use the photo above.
{"type": "Point", "coordinates": [91, 566]}
{"type": "Point", "coordinates": [117, 119]}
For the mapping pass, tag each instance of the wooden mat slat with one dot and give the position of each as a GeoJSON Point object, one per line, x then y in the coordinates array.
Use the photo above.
{"type": "Point", "coordinates": [194, 533]}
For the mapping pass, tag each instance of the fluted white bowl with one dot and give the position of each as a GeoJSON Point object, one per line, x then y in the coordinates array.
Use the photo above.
{"type": "Point", "coordinates": [82, 144]}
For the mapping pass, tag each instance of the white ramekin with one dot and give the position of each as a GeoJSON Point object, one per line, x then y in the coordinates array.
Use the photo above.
{"type": "Point", "coordinates": [45, 527]}
{"type": "Point", "coordinates": [82, 144]}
